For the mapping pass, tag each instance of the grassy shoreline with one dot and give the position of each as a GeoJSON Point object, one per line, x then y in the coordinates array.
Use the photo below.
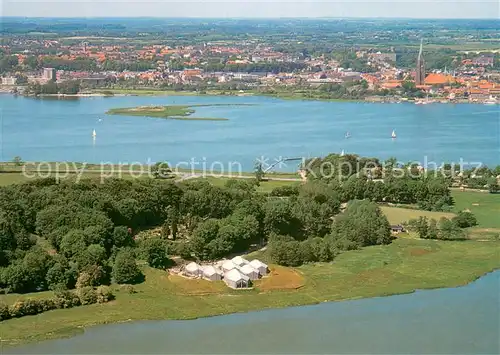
{"type": "Point", "coordinates": [403, 267]}
{"type": "Point", "coordinates": [279, 95]}
{"type": "Point", "coordinates": [406, 265]}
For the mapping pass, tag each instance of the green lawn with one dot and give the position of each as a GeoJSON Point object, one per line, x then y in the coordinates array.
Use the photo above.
{"type": "Point", "coordinates": [485, 206]}
{"type": "Point", "coordinates": [397, 215]}
{"type": "Point", "coordinates": [11, 178]}
{"type": "Point", "coordinates": [402, 267]}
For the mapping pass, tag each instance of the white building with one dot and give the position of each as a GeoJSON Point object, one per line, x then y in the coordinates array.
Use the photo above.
{"type": "Point", "coordinates": [227, 265]}
{"type": "Point", "coordinates": [259, 266]}
{"type": "Point", "coordinates": [211, 273]}
{"type": "Point", "coordinates": [10, 80]}
{"type": "Point", "coordinates": [193, 269]}
{"type": "Point", "coordinates": [236, 279]}
{"type": "Point", "coordinates": [239, 261]}
{"type": "Point", "coordinates": [250, 272]}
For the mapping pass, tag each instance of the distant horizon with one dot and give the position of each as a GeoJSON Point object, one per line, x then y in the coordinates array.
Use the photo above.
{"type": "Point", "coordinates": [254, 9]}
{"type": "Point", "coordinates": [252, 18]}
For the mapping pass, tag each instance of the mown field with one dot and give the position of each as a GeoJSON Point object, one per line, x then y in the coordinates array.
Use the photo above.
{"type": "Point", "coordinates": [11, 174]}
{"type": "Point", "coordinates": [398, 215]}
{"type": "Point", "coordinates": [402, 267]}
{"type": "Point", "coordinates": [485, 206]}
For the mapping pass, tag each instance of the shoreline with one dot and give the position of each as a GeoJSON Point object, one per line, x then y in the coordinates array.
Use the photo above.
{"type": "Point", "coordinates": [81, 329]}
{"type": "Point", "coordinates": [282, 96]}
{"type": "Point", "coordinates": [342, 283]}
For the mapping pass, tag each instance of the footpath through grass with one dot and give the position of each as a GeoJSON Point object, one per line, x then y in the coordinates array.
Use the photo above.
{"type": "Point", "coordinates": [402, 267]}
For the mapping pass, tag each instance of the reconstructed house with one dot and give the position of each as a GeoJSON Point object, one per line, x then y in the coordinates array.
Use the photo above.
{"type": "Point", "coordinates": [250, 272]}
{"type": "Point", "coordinates": [239, 261]}
{"type": "Point", "coordinates": [259, 266]}
{"type": "Point", "coordinates": [212, 273]}
{"type": "Point", "coordinates": [236, 279]}
{"type": "Point", "coordinates": [227, 265]}
{"type": "Point", "coordinates": [395, 229]}
{"type": "Point", "coordinates": [193, 269]}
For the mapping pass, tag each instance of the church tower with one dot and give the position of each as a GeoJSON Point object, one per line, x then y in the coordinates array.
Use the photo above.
{"type": "Point", "coordinates": [420, 72]}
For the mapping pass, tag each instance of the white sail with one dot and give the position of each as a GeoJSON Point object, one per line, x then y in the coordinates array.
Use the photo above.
{"type": "Point", "coordinates": [94, 133]}
{"type": "Point", "coordinates": [393, 135]}
{"type": "Point", "coordinates": [342, 152]}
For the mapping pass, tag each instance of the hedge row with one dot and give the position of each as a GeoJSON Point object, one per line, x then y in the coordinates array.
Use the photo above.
{"type": "Point", "coordinates": [62, 299]}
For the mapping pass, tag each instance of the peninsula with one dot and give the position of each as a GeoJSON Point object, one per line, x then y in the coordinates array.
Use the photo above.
{"type": "Point", "coordinates": [123, 260]}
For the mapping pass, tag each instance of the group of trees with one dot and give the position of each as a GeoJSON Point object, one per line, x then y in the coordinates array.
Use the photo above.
{"type": "Point", "coordinates": [62, 234]}
{"type": "Point", "coordinates": [88, 226]}
{"type": "Point", "coordinates": [367, 178]}
{"type": "Point", "coordinates": [71, 87]}
{"type": "Point", "coordinates": [444, 229]}
{"type": "Point", "coordinates": [361, 224]}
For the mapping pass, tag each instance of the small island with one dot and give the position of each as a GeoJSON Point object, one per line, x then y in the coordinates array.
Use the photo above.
{"type": "Point", "coordinates": [175, 112]}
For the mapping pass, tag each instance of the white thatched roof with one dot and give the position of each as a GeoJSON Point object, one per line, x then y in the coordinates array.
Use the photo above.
{"type": "Point", "coordinates": [228, 265]}
{"type": "Point", "coordinates": [193, 267]}
{"type": "Point", "coordinates": [210, 270]}
{"type": "Point", "coordinates": [256, 264]}
{"type": "Point", "coordinates": [235, 276]}
{"type": "Point", "coordinates": [239, 261]}
{"type": "Point", "coordinates": [247, 269]}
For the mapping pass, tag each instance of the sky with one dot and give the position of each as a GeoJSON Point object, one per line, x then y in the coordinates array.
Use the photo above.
{"type": "Point", "coordinates": [253, 8]}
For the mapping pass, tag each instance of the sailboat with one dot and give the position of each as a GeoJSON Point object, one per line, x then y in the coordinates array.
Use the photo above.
{"type": "Point", "coordinates": [347, 135]}
{"type": "Point", "coordinates": [342, 153]}
{"type": "Point", "coordinates": [393, 135]}
{"type": "Point", "coordinates": [94, 134]}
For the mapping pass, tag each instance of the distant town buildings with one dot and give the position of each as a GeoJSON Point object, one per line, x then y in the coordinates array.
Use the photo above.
{"type": "Point", "coordinates": [10, 80]}
{"type": "Point", "coordinates": [49, 74]}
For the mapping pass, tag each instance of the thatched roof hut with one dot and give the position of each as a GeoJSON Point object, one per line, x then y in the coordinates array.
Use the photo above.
{"type": "Point", "coordinates": [250, 272]}
{"type": "Point", "coordinates": [193, 269]}
{"type": "Point", "coordinates": [239, 261]}
{"type": "Point", "coordinates": [212, 273]}
{"type": "Point", "coordinates": [236, 279]}
{"type": "Point", "coordinates": [260, 266]}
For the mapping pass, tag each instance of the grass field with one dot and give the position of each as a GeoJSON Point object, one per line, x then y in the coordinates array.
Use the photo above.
{"type": "Point", "coordinates": [13, 175]}
{"type": "Point", "coordinates": [402, 267]}
{"type": "Point", "coordinates": [397, 215]}
{"type": "Point", "coordinates": [281, 278]}
{"type": "Point", "coordinates": [485, 206]}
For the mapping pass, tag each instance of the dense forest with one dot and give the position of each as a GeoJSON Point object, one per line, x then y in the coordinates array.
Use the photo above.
{"type": "Point", "coordinates": [62, 234]}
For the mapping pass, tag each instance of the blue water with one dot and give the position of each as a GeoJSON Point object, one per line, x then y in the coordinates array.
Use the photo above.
{"type": "Point", "coordinates": [463, 320]}
{"type": "Point", "coordinates": [60, 130]}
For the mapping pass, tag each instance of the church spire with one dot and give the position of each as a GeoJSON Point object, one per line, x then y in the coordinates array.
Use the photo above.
{"type": "Point", "coordinates": [420, 70]}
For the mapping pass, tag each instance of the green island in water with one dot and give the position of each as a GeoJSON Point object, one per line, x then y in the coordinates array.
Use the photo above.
{"type": "Point", "coordinates": [174, 112]}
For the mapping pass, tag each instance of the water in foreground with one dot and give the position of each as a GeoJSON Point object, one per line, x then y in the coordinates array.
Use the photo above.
{"type": "Point", "coordinates": [461, 320]}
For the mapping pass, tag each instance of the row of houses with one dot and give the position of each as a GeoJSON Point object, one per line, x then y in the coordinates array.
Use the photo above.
{"type": "Point", "coordinates": [236, 273]}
